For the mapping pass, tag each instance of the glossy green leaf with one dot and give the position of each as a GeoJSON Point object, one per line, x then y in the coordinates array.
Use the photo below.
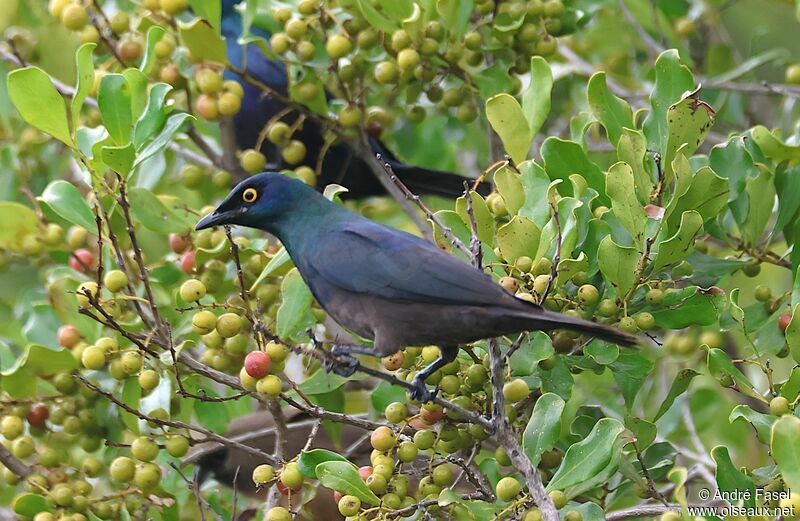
{"type": "Point", "coordinates": [85, 67]}
{"type": "Point", "coordinates": [762, 423]}
{"type": "Point", "coordinates": [678, 477]}
{"type": "Point", "coordinates": [772, 146]}
{"type": "Point", "coordinates": [630, 369]}
{"type": "Point", "coordinates": [632, 148]}
{"type": "Point", "coordinates": [343, 477]}
{"type": "Point", "coordinates": [677, 247]}
{"type": "Point", "coordinates": [565, 158]}
{"type": "Point", "coordinates": [679, 386]}
{"type": "Point", "coordinates": [707, 195]}
{"type": "Point", "coordinates": [149, 60]}
{"type": "Point", "coordinates": [730, 479]}
{"type": "Point", "coordinates": [644, 431]}
{"type": "Point", "coordinates": [733, 162]}
{"type": "Point", "coordinates": [484, 220]}
{"type": "Point", "coordinates": [309, 459]}
{"type": "Point", "coordinates": [787, 187]}
{"type": "Point", "coordinates": [119, 159]}
{"type": "Point", "coordinates": [793, 334]}
{"type": "Point", "coordinates": [544, 427]}
{"type": "Point", "coordinates": [114, 100]}
{"type": "Point", "coordinates": [719, 364]}
{"type": "Point", "coordinates": [18, 221]}
{"type": "Point", "coordinates": [612, 112]}
{"type": "Point", "coordinates": [672, 80]}
{"type": "Point", "coordinates": [203, 40]}
{"type": "Point", "coordinates": [152, 120]}
{"type": "Point", "coordinates": [294, 311]}
{"type": "Point", "coordinates": [536, 98]}
{"type": "Point", "coordinates": [535, 184]}
{"type": "Point", "coordinates": [319, 103]}
{"type": "Point", "coordinates": [688, 123]}
{"type": "Point", "coordinates": [587, 458]}
{"type": "Point", "coordinates": [518, 237]}
{"type": "Point", "coordinates": [509, 186]}
{"type": "Point", "coordinates": [618, 264]}
{"type": "Point", "coordinates": [761, 193]}
{"type": "Point", "coordinates": [163, 215]}
{"type": "Point", "coordinates": [28, 504]}
{"type": "Point", "coordinates": [20, 379]}
{"type": "Point", "coordinates": [130, 396]}
{"type": "Point", "coordinates": [508, 121]}
{"type": "Point", "coordinates": [162, 140]}
{"type": "Point", "coordinates": [785, 449]}
{"type": "Point", "coordinates": [687, 306]}
{"type": "Point", "coordinates": [39, 103]}
{"type": "Point", "coordinates": [280, 262]}
{"type": "Point", "coordinates": [68, 202]}
{"type": "Point", "coordinates": [620, 187]}
{"type": "Point", "coordinates": [455, 14]}
{"type": "Point", "coordinates": [211, 11]}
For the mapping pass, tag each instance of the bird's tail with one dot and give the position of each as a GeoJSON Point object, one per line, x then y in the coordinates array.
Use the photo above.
{"type": "Point", "coordinates": [547, 320]}
{"type": "Point", "coordinates": [429, 181]}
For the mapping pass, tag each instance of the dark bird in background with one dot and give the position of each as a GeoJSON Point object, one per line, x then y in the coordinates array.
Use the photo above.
{"type": "Point", "coordinates": [384, 284]}
{"type": "Point", "coordinates": [234, 468]}
{"type": "Point", "coordinates": [341, 164]}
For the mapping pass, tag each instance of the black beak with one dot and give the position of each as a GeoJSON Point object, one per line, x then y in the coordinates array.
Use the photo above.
{"type": "Point", "coordinates": [217, 218]}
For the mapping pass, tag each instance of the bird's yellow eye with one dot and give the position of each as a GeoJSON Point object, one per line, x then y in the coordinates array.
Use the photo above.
{"type": "Point", "coordinates": [249, 195]}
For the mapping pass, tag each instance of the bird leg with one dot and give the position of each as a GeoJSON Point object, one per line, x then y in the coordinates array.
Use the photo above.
{"type": "Point", "coordinates": [420, 391]}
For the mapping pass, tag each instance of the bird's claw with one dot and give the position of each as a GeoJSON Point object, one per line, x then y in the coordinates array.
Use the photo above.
{"type": "Point", "coordinates": [420, 392]}
{"type": "Point", "coordinates": [342, 364]}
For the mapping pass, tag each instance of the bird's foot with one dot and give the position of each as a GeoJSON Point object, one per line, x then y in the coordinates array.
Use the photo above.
{"type": "Point", "coordinates": [420, 392]}
{"type": "Point", "coordinates": [343, 364]}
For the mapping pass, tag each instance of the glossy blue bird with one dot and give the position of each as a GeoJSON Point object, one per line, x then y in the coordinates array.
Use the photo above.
{"type": "Point", "coordinates": [384, 284]}
{"type": "Point", "coordinates": [341, 164]}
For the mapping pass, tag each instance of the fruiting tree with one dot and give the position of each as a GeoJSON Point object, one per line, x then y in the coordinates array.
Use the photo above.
{"type": "Point", "coordinates": [642, 160]}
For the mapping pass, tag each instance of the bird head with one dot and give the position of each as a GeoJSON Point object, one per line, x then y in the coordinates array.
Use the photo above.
{"type": "Point", "coordinates": [261, 201]}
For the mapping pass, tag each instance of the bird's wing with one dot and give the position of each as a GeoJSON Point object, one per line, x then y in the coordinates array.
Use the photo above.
{"type": "Point", "coordinates": [367, 258]}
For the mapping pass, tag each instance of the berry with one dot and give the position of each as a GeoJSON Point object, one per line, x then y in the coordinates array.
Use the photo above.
{"type": "Point", "coordinates": [338, 46]}
{"type": "Point", "coordinates": [386, 72]}
{"type": "Point", "coordinates": [174, 7]}
{"type": "Point", "coordinates": [68, 336]}
{"type": "Point", "coordinates": [74, 17]}
{"type": "Point", "coordinates": [763, 293]}
{"type": "Point", "coordinates": [291, 476]}
{"type": "Point", "coordinates": [38, 415]}
{"type": "Point", "coordinates": [559, 498]}
{"type": "Point", "coordinates": [784, 320]}
{"type": "Point", "coordinates": [257, 364]}
{"type": "Point", "coordinates": [294, 152]}
{"type": "Point", "coordinates": [229, 324]}
{"type": "Point", "coordinates": [263, 474]}
{"type": "Point", "coordinates": [349, 505]}
{"type": "Point", "coordinates": [383, 439]}
{"type": "Point", "coordinates": [645, 321]}
{"type": "Point", "coordinates": [129, 50]}
{"type": "Point", "coordinates": [229, 104]}
{"type": "Point", "coordinates": [424, 439]}
{"type": "Point", "coordinates": [148, 380]}
{"type": "Point", "coordinates": [607, 308]}
{"type": "Point", "coordinates": [507, 489]}
{"type": "Point", "coordinates": [192, 290]}
{"type": "Point", "coordinates": [93, 357]}
{"type": "Point", "coordinates": [278, 514]}
{"type": "Point", "coordinates": [253, 161]}
{"type": "Point", "coordinates": [269, 386]}
{"type": "Point", "coordinates": [443, 475]}
{"type": "Point", "coordinates": [177, 446]}
{"type": "Point", "coordinates": [147, 476]}
{"type": "Point", "coordinates": [350, 116]}
{"type": "Point", "coordinates": [187, 262]}
{"type": "Point", "coordinates": [131, 362]}
{"type": "Point", "coordinates": [82, 260]}
{"type": "Point", "coordinates": [588, 295]}
{"type": "Point", "coordinates": [295, 28]}
{"type": "Point", "coordinates": [12, 427]}
{"type": "Point", "coordinates": [407, 59]}
{"type": "Point", "coordinates": [793, 73]}
{"type": "Point", "coordinates": [115, 280]}
{"type": "Point", "coordinates": [122, 469]}
{"type": "Point", "coordinates": [779, 406]}
{"type": "Point", "coordinates": [279, 133]}
{"type": "Point", "coordinates": [206, 106]}
{"type": "Point", "coordinates": [516, 390]}
{"type": "Point", "coordinates": [144, 449]}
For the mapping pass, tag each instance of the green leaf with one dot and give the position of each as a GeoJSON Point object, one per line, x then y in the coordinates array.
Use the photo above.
{"type": "Point", "coordinates": [518, 237]}
{"type": "Point", "coordinates": [211, 11]}
{"type": "Point", "coordinates": [787, 186]}
{"type": "Point", "coordinates": [544, 427]}
{"type": "Point", "coordinates": [114, 100]}
{"type": "Point", "coordinates": [39, 103]}
{"type": "Point", "coordinates": [131, 394]}
{"type": "Point", "coordinates": [791, 387]}
{"type": "Point", "coordinates": [785, 449]}
{"type": "Point", "coordinates": [707, 195]}
{"type": "Point", "coordinates": [67, 201]}
{"type": "Point", "coordinates": [733, 162]}
{"type": "Point", "coordinates": [162, 140]}
{"type": "Point", "coordinates": [149, 60]}
{"type": "Point", "coordinates": [203, 40]}
{"type": "Point", "coordinates": [762, 423]}
{"type": "Point", "coordinates": [678, 247]}
{"type": "Point", "coordinates": [644, 431]}
{"type": "Point", "coordinates": [509, 123]}
{"type": "Point", "coordinates": [761, 192]}
{"type": "Point", "coordinates": [630, 369]}
{"type": "Point", "coordinates": [564, 158]}
{"type": "Point", "coordinates": [278, 263]}
{"type": "Point", "coordinates": [510, 188]}
{"type": "Point", "coordinates": [484, 220]}
{"type": "Point", "coordinates": [632, 148]}
{"type": "Point", "coordinates": [343, 477]}
{"type": "Point", "coordinates": [455, 15]}
{"type": "Point", "coordinates": [618, 264]}
{"type": "Point", "coordinates": [678, 477]}
{"type": "Point", "coordinates": [772, 146]}
{"type": "Point", "coordinates": [793, 334]}
{"type": "Point", "coordinates": [730, 479]}
{"type": "Point", "coordinates": [719, 364]}
{"type": "Point", "coordinates": [309, 459]}
{"type": "Point", "coordinates": [20, 379]}
{"type": "Point", "coordinates": [687, 306]}
{"type": "Point", "coordinates": [319, 103]}
{"type": "Point", "coordinates": [589, 457]}
{"type": "Point", "coordinates": [688, 123]}
{"type": "Point", "coordinates": [295, 307]}
{"type": "Point", "coordinates": [28, 504]}
{"type": "Point", "coordinates": [160, 214]}
{"type": "Point", "coordinates": [612, 112]}
{"type": "Point", "coordinates": [119, 159]}
{"type": "Point", "coordinates": [139, 84]}
{"type": "Point", "coordinates": [321, 382]}
{"type": "Point", "coordinates": [385, 393]}
{"type": "Point", "coordinates": [154, 116]}
{"type": "Point", "coordinates": [678, 387]}
{"type": "Point", "coordinates": [536, 98]}
{"type": "Point", "coordinates": [620, 187]}
{"type": "Point", "coordinates": [18, 221]}
{"type": "Point", "coordinates": [85, 67]}
{"type": "Point", "coordinates": [672, 80]}
{"type": "Point", "coordinates": [535, 184]}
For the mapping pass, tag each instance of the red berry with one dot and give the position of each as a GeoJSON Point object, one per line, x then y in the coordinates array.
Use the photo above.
{"type": "Point", "coordinates": [656, 212]}
{"type": "Point", "coordinates": [364, 472]}
{"type": "Point", "coordinates": [257, 364]}
{"type": "Point", "coordinates": [38, 414]}
{"type": "Point", "coordinates": [418, 424]}
{"type": "Point", "coordinates": [431, 416]}
{"type": "Point", "coordinates": [68, 336]}
{"type": "Point", "coordinates": [285, 491]}
{"type": "Point", "coordinates": [187, 262]}
{"type": "Point", "coordinates": [179, 242]}
{"type": "Point", "coordinates": [82, 260]}
{"type": "Point", "coordinates": [783, 321]}
{"type": "Point", "coordinates": [337, 496]}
